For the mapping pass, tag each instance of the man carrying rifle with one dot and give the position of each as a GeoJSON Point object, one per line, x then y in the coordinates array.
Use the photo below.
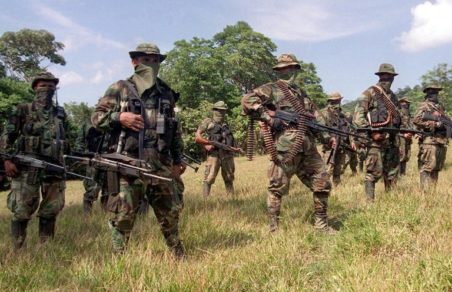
{"type": "Point", "coordinates": [218, 132]}
{"type": "Point", "coordinates": [35, 130]}
{"type": "Point", "coordinates": [292, 148]}
{"type": "Point", "coordinates": [332, 116]}
{"type": "Point", "coordinates": [138, 116]}
{"type": "Point", "coordinates": [405, 143]}
{"type": "Point", "coordinates": [433, 120]}
{"type": "Point", "coordinates": [378, 110]}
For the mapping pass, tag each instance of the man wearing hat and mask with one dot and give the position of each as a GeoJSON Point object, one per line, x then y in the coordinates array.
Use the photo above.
{"type": "Point", "coordinates": [378, 107]}
{"type": "Point", "coordinates": [36, 129]}
{"type": "Point", "coordinates": [405, 143]}
{"type": "Point", "coordinates": [217, 130]}
{"type": "Point", "coordinates": [432, 145]}
{"type": "Point", "coordinates": [143, 106]}
{"type": "Point", "coordinates": [292, 149]}
{"type": "Point", "coordinates": [332, 116]}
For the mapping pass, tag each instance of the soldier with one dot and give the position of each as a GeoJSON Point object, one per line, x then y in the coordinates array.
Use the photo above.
{"type": "Point", "coordinates": [138, 116]}
{"type": "Point", "coordinates": [36, 129]}
{"type": "Point", "coordinates": [405, 143]}
{"type": "Point", "coordinates": [88, 141]}
{"type": "Point", "coordinates": [217, 129]}
{"type": "Point", "coordinates": [351, 158]}
{"type": "Point", "coordinates": [378, 107]}
{"type": "Point", "coordinates": [332, 116]}
{"type": "Point", "coordinates": [292, 150]}
{"type": "Point", "coordinates": [433, 145]}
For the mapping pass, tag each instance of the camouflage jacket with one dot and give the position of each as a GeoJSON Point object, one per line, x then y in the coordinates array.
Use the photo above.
{"type": "Point", "coordinates": [335, 119]}
{"type": "Point", "coordinates": [371, 109]}
{"type": "Point", "coordinates": [434, 135]}
{"type": "Point", "coordinates": [270, 96]}
{"type": "Point", "coordinates": [219, 132]}
{"type": "Point", "coordinates": [162, 136]}
{"type": "Point", "coordinates": [37, 131]}
{"type": "Point", "coordinates": [88, 139]}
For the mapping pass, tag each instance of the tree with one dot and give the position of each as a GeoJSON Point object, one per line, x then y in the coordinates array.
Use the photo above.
{"type": "Point", "coordinates": [442, 75]}
{"type": "Point", "coordinates": [310, 81]}
{"type": "Point", "coordinates": [78, 113]}
{"type": "Point", "coordinates": [26, 52]}
{"type": "Point", "coordinates": [12, 92]}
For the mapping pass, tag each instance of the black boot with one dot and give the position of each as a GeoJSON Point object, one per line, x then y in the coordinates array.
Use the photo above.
{"type": "Point", "coordinates": [369, 187]}
{"type": "Point", "coordinates": [402, 170]}
{"type": "Point", "coordinates": [87, 207]}
{"type": "Point", "coordinates": [46, 229]}
{"type": "Point", "coordinates": [18, 233]}
{"type": "Point", "coordinates": [143, 207]}
{"type": "Point", "coordinates": [103, 202]}
{"type": "Point", "coordinates": [229, 188]}
{"type": "Point", "coordinates": [336, 180]}
{"type": "Point", "coordinates": [206, 189]}
{"type": "Point", "coordinates": [179, 251]}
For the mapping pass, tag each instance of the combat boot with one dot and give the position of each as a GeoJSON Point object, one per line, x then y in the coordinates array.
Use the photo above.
{"type": "Point", "coordinates": [402, 170]}
{"type": "Point", "coordinates": [46, 229]}
{"type": "Point", "coordinates": [18, 233]}
{"type": "Point", "coordinates": [321, 212]}
{"type": "Point", "coordinates": [103, 202]}
{"type": "Point", "coordinates": [336, 180]}
{"type": "Point", "coordinates": [273, 222]}
{"type": "Point", "coordinates": [143, 207]}
{"type": "Point", "coordinates": [179, 251]}
{"type": "Point", "coordinates": [119, 239]}
{"type": "Point", "coordinates": [229, 188]}
{"type": "Point", "coordinates": [369, 187]}
{"type": "Point", "coordinates": [206, 189]}
{"type": "Point", "coordinates": [87, 207]}
{"type": "Point", "coordinates": [361, 166]}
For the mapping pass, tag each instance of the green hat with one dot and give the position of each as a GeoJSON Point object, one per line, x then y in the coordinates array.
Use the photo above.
{"type": "Point", "coordinates": [286, 60]}
{"type": "Point", "coordinates": [404, 99]}
{"type": "Point", "coordinates": [44, 76]}
{"type": "Point", "coordinates": [386, 68]}
{"type": "Point", "coordinates": [147, 49]}
{"type": "Point", "coordinates": [434, 86]}
{"type": "Point", "coordinates": [335, 95]}
{"type": "Point", "coordinates": [220, 105]}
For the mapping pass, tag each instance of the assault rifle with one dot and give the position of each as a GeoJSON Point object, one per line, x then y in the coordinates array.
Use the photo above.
{"type": "Point", "coordinates": [188, 160]}
{"type": "Point", "coordinates": [114, 162]}
{"type": "Point", "coordinates": [226, 147]}
{"type": "Point", "coordinates": [445, 121]}
{"type": "Point", "coordinates": [389, 130]}
{"type": "Point", "coordinates": [29, 161]}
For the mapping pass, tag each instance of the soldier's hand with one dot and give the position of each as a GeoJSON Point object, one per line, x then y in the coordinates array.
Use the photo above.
{"type": "Point", "coordinates": [208, 147]}
{"type": "Point", "coordinates": [332, 142]}
{"type": "Point", "coordinates": [408, 136]}
{"type": "Point", "coordinates": [11, 169]}
{"type": "Point", "coordinates": [354, 147]}
{"type": "Point", "coordinates": [378, 136]}
{"type": "Point", "coordinates": [132, 121]}
{"type": "Point", "coordinates": [178, 169]}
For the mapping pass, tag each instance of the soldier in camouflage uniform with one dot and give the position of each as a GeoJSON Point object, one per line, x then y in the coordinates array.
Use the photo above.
{"type": "Point", "coordinates": [88, 140]}
{"type": "Point", "coordinates": [332, 116]}
{"type": "Point", "coordinates": [217, 130]}
{"type": "Point", "coordinates": [433, 145]}
{"type": "Point", "coordinates": [405, 143]}
{"type": "Point", "coordinates": [351, 158]}
{"type": "Point", "coordinates": [144, 102]}
{"type": "Point", "coordinates": [36, 129]}
{"type": "Point", "coordinates": [378, 107]}
{"type": "Point", "coordinates": [288, 156]}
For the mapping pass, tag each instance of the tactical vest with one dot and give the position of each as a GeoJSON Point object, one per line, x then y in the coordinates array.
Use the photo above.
{"type": "Point", "coordinates": [157, 110]}
{"type": "Point", "coordinates": [43, 132]}
{"type": "Point", "coordinates": [379, 113]}
{"type": "Point", "coordinates": [93, 139]}
{"type": "Point", "coordinates": [221, 133]}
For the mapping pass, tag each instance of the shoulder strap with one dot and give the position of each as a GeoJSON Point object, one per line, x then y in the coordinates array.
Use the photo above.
{"type": "Point", "coordinates": [387, 101]}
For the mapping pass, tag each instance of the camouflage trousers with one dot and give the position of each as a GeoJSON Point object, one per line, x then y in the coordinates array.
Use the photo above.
{"type": "Point", "coordinates": [431, 157]}
{"type": "Point", "coordinates": [405, 150]}
{"type": "Point", "coordinates": [24, 198]}
{"type": "Point", "coordinates": [165, 198]}
{"type": "Point", "coordinates": [308, 167]}
{"type": "Point", "coordinates": [382, 162]}
{"type": "Point", "coordinates": [93, 187]}
{"type": "Point", "coordinates": [351, 159]}
{"type": "Point", "coordinates": [334, 170]}
{"type": "Point", "coordinates": [214, 164]}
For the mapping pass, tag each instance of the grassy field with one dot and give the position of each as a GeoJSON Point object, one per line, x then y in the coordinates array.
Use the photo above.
{"type": "Point", "coordinates": [402, 243]}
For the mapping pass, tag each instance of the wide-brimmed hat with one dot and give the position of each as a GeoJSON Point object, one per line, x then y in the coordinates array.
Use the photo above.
{"type": "Point", "coordinates": [386, 68]}
{"type": "Point", "coordinates": [220, 105]}
{"type": "Point", "coordinates": [335, 95]}
{"type": "Point", "coordinates": [404, 99]}
{"type": "Point", "coordinates": [433, 86]}
{"type": "Point", "coordinates": [44, 76]}
{"type": "Point", "coordinates": [286, 60]}
{"type": "Point", "coordinates": [147, 49]}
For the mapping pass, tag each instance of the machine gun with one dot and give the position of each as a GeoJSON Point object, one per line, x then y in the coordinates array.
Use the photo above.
{"type": "Point", "coordinates": [445, 121]}
{"type": "Point", "coordinates": [29, 161]}
{"type": "Point", "coordinates": [389, 130]}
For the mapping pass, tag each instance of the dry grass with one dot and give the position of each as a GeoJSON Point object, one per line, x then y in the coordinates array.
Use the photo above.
{"type": "Point", "coordinates": [403, 242]}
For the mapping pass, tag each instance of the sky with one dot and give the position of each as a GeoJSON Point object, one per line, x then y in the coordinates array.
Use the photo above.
{"type": "Point", "coordinates": [345, 39]}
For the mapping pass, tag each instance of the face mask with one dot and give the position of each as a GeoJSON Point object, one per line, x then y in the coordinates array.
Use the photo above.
{"type": "Point", "coordinates": [385, 84]}
{"type": "Point", "coordinates": [289, 76]}
{"type": "Point", "coordinates": [336, 107]}
{"type": "Point", "coordinates": [433, 97]}
{"type": "Point", "coordinates": [218, 116]}
{"type": "Point", "coordinates": [44, 95]}
{"type": "Point", "coordinates": [145, 76]}
{"type": "Point", "coordinates": [405, 106]}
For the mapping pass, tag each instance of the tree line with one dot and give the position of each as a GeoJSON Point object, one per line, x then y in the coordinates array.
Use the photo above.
{"type": "Point", "coordinates": [203, 71]}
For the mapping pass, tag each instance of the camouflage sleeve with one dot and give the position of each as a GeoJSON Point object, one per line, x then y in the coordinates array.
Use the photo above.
{"type": "Point", "coordinates": [253, 103]}
{"type": "Point", "coordinates": [322, 136]}
{"type": "Point", "coordinates": [361, 110]}
{"type": "Point", "coordinates": [12, 131]}
{"type": "Point", "coordinates": [202, 128]}
{"type": "Point", "coordinates": [177, 146]}
{"type": "Point", "coordinates": [107, 111]}
{"type": "Point", "coordinates": [419, 122]}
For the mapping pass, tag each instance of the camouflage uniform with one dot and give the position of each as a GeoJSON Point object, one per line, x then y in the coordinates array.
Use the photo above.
{"type": "Point", "coordinates": [332, 116]}
{"type": "Point", "coordinates": [36, 129]}
{"type": "Point", "coordinates": [432, 146]}
{"type": "Point", "coordinates": [405, 143]}
{"type": "Point", "coordinates": [351, 158]}
{"type": "Point", "coordinates": [88, 140]}
{"type": "Point", "coordinates": [218, 130]}
{"type": "Point", "coordinates": [383, 153]}
{"type": "Point", "coordinates": [162, 148]}
{"type": "Point", "coordinates": [307, 164]}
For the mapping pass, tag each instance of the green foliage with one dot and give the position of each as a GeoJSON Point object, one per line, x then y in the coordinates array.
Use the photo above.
{"type": "Point", "coordinates": [12, 92]}
{"type": "Point", "coordinates": [310, 82]}
{"type": "Point", "coordinates": [78, 114]}
{"type": "Point", "coordinates": [23, 53]}
{"type": "Point", "coordinates": [442, 75]}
